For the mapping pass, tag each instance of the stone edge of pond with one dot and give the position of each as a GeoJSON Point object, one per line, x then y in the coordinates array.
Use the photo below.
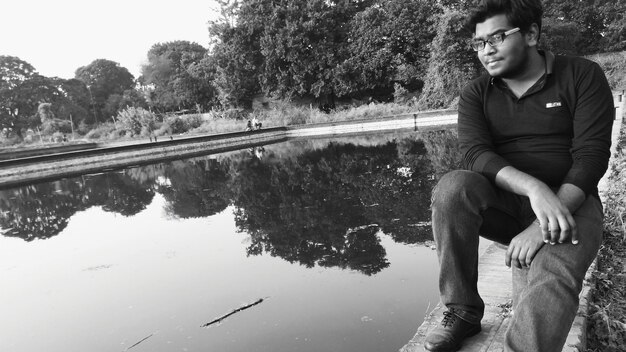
{"type": "Point", "coordinates": [128, 154]}
{"type": "Point", "coordinates": [495, 284]}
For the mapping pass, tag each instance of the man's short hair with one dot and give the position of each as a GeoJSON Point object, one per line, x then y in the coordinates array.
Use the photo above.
{"type": "Point", "coordinates": [520, 13]}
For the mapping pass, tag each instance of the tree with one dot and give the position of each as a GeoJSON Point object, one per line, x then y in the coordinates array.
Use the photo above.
{"type": "Point", "coordinates": [131, 98]}
{"type": "Point", "coordinates": [388, 43]}
{"type": "Point", "coordinates": [585, 16]}
{"type": "Point", "coordinates": [301, 46]}
{"type": "Point", "coordinates": [14, 72]}
{"type": "Point", "coordinates": [103, 78]}
{"type": "Point", "coordinates": [22, 89]}
{"type": "Point", "coordinates": [169, 72]}
{"type": "Point", "coordinates": [559, 37]}
{"type": "Point", "coordinates": [451, 65]}
{"type": "Point", "coordinates": [75, 104]}
{"type": "Point", "coordinates": [614, 13]}
{"type": "Point", "coordinates": [236, 55]}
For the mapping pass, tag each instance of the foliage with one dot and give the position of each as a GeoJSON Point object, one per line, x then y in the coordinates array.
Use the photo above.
{"type": "Point", "coordinates": [49, 123]}
{"type": "Point", "coordinates": [173, 124]}
{"type": "Point", "coordinates": [559, 37]}
{"type": "Point", "coordinates": [21, 90]}
{"type": "Point", "coordinates": [103, 131]}
{"type": "Point", "coordinates": [236, 58]}
{"type": "Point", "coordinates": [451, 65]}
{"type": "Point", "coordinates": [388, 43]}
{"type": "Point", "coordinates": [137, 121]}
{"type": "Point", "coordinates": [118, 102]}
{"type": "Point", "coordinates": [301, 45]}
{"type": "Point", "coordinates": [169, 72]}
{"type": "Point", "coordinates": [597, 25]}
{"type": "Point", "coordinates": [606, 330]}
{"type": "Point", "coordinates": [104, 78]}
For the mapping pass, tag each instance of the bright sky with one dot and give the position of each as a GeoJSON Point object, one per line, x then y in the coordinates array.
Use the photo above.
{"type": "Point", "coordinates": [59, 36]}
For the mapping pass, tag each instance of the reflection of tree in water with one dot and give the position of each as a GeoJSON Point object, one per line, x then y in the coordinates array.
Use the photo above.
{"type": "Point", "coordinates": [306, 209]}
{"type": "Point", "coordinates": [43, 210]}
{"type": "Point", "coordinates": [39, 211]}
{"type": "Point", "coordinates": [118, 193]}
{"type": "Point", "coordinates": [313, 207]}
{"type": "Point", "coordinates": [443, 150]}
{"type": "Point", "coordinates": [197, 188]}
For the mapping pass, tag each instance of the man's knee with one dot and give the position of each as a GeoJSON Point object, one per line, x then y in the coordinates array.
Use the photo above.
{"type": "Point", "coordinates": [458, 185]}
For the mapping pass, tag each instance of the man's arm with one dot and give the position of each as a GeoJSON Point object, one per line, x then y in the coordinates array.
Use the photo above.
{"type": "Point", "coordinates": [553, 211]}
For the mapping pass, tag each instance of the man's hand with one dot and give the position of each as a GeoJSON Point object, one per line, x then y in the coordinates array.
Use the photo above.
{"type": "Point", "coordinates": [554, 211]}
{"type": "Point", "coordinates": [555, 220]}
{"type": "Point", "coordinates": [524, 247]}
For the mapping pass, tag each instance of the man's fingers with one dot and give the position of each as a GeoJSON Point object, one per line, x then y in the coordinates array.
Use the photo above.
{"type": "Point", "coordinates": [523, 258]}
{"type": "Point", "coordinates": [555, 230]}
{"type": "Point", "coordinates": [507, 256]}
{"type": "Point", "coordinates": [515, 257]}
{"type": "Point", "coordinates": [574, 229]}
{"type": "Point", "coordinates": [543, 225]}
{"type": "Point", "coordinates": [531, 254]}
{"type": "Point", "coordinates": [565, 227]}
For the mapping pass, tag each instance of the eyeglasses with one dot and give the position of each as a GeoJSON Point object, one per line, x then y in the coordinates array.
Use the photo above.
{"type": "Point", "coordinates": [494, 40]}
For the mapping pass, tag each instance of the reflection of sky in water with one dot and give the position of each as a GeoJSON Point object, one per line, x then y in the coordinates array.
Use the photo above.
{"type": "Point", "coordinates": [108, 281]}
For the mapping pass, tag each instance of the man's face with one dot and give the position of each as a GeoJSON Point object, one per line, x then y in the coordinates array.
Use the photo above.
{"type": "Point", "coordinates": [508, 59]}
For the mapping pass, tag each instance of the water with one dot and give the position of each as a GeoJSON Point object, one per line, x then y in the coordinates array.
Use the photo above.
{"type": "Point", "coordinates": [331, 235]}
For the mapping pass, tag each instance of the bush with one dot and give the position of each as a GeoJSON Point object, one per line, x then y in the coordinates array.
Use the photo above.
{"type": "Point", "coordinates": [137, 121]}
{"type": "Point", "coordinates": [103, 131]}
{"type": "Point", "coordinates": [51, 126]}
{"type": "Point", "coordinates": [174, 124]}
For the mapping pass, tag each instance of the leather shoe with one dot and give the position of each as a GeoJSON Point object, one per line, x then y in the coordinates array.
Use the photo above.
{"type": "Point", "coordinates": [449, 335]}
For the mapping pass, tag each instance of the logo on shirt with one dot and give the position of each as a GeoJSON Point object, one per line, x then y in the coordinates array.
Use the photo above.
{"type": "Point", "coordinates": [553, 104]}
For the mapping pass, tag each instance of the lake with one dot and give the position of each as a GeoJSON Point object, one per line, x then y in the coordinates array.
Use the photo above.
{"type": "Point", "coordinates": [308, 245]}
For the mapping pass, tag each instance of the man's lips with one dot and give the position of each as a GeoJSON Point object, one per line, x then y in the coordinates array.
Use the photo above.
{"type": "Point", "coordinates": [492, 62]}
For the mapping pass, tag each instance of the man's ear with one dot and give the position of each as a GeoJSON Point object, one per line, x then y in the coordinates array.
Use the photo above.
{"type": "Point", "coordinates": [532, 35]}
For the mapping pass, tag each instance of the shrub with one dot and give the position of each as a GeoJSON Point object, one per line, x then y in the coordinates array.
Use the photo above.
{"type": "Point", "coordinates": [102, 131]}
{"type": "Point", "coordinates": [137, 121]}
{"type": "Point", "coordinates": [174, 124]}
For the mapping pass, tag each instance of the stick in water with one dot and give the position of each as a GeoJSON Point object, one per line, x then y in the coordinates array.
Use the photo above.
{"type": "Point", "coordinates": [218, 320]}
{"type": "Point", "coordinates": [140, 341]}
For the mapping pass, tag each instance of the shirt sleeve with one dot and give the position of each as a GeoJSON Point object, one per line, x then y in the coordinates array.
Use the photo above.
{"type": "Point", "coordinates": [593, 120]}
{"type": "Point", "coordinates": [475, 140]}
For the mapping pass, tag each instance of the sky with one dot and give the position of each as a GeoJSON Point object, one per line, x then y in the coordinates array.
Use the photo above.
{"type": "Point", "coordinates": [58, 36]}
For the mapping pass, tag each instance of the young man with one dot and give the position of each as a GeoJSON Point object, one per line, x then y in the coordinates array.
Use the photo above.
{"type": "Point", "coordinates": [535, 134]}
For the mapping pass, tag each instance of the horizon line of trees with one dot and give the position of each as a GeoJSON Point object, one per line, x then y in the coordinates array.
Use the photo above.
{"type": "Point", "coordinates": [320, 51]}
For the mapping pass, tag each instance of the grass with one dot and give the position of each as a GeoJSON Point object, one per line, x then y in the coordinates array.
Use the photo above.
{"type": "Point", "coordinates": [606, 328]}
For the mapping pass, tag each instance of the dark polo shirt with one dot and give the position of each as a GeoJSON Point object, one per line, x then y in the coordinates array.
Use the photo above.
{"type": "Point", "coordinates": [559, 131]}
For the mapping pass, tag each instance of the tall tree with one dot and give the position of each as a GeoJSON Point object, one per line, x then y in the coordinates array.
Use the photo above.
{"type": "Point", "coordinates": [21, 91]}
{"type": "Point", "coordinates": [103, 78]}
{"type": "Point", "coordinates": [387, 43]}
{"type": "Point", "coordinates": [301, 45]}
{"type": "Point", "coordinates": [236, 54]}
{"type": "Point", "coordinates": [585, 16]}
{"type": "Point", "coordinates": [451, 65]}
{"type": "Point", "coordinates": [168, 70]}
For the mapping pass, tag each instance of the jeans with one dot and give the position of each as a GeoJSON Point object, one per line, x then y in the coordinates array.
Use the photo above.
{"type": "Point", "coordinates": [467, 205]}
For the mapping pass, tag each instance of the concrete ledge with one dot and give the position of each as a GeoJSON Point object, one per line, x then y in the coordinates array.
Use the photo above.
{"type": "Point", "coordinates": [124, 154]}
